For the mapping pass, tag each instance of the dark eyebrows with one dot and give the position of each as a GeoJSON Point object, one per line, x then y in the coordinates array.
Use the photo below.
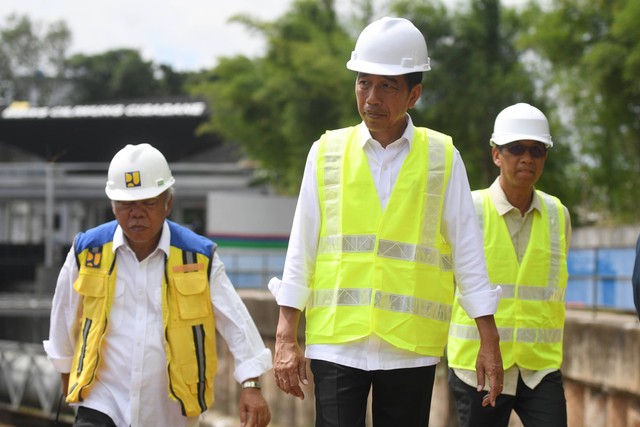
{"type": "Point", "coordinates": [392, 79]}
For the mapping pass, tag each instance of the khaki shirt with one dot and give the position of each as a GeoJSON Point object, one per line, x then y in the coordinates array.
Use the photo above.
{"type": "Point", "coordinates": [519, 227]}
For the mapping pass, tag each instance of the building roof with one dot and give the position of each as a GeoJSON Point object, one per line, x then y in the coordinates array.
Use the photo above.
{"type": "Point", "coordinates": [94, 133]}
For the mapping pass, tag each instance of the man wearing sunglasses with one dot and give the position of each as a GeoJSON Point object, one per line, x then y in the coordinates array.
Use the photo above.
{"type": "Point", "coordinates": [526, 240]}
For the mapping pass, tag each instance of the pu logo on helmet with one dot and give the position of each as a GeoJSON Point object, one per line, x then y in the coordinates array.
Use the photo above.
{"type": "Point", "coordinates": [132, 179]}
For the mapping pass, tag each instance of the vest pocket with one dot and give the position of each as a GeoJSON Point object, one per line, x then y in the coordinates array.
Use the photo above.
{"type": "Point", "coordinates": [92, 285]}
{"type": "Point", "coordinates": [193, 301]}
{"type": "Point", "coordinates": [190, 376]}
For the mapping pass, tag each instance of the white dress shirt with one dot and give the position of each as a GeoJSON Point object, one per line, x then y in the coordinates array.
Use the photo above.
{"type": "Point", "coordinates": [459, 227]}
{"type": "Point", "coordinates": [519, 227]}
{"type": "Point", "coordinates": [132, 385]}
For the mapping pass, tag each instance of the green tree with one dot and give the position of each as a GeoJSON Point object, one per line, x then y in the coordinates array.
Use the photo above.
{"type": "Point", "coordinates": [120, 74]}
{"type": "Point", "coordinates": [277, 105]}
{"type": "Point", "coordinates": [32, 59]}
{"type": "Point", "coordinates": [591, 53]}
{"type": "Point", "coordinates": [478, 69]}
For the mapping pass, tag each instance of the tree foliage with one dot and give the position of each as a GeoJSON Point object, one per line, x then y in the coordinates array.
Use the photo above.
{"type": "Point", "coordinates": [120, 74]}
{"type": "Point", "coordinates": [593, 48]}
{"type": "Point", "coordinates": [35, 66]}
{"type": "Point", "coordinates": [576, 60]}
{"type": "Point", "coordinates": [477, 70]}
{"type": "Point", "coordinates": [277, 105]}
{"type": "Point", "coordinates": [28, 52]}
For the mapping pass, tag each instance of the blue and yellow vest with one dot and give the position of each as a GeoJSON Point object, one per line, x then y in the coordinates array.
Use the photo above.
{"type": "Point", "coordinates": [186, 306]}
{"type": "Point", "coordinates": [531, 312]}
{"type": "Point", "coordinates": [387, 273]}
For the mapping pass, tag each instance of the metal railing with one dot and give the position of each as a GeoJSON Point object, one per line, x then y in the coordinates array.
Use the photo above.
{"type": "Point", "coordinates": [27, 378]}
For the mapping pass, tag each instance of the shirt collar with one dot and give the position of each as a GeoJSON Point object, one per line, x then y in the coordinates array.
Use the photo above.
{"type": "Point", "coordinates": [365, 135]}
{"type": "Point", "coordinates": [163, 244]}
{"type": "Point", "coordinates": [502, 204]}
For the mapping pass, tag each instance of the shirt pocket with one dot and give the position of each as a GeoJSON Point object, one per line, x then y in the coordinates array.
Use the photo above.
{"type": "Point", "coordinates": [191, 293]}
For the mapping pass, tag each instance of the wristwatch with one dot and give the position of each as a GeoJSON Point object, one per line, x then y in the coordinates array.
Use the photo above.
{"type": "Point", "coordinates": [251, 384]}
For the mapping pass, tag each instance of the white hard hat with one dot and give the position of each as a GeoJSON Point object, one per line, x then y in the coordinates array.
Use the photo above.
{"type": "Point", "coordinates": [138, 172]}
{"type": "Point", "coordinates": [518, 122]}
{"type": "Point", "coordinates": [390, 47]}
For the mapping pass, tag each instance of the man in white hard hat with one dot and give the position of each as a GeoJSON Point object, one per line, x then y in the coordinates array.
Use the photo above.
{"type": "Point", "coordinates": [136, 308]}
{"type": "Point", "coordinates": [384, 219]}
{"type": "Point", "coordinates": [526, 241]}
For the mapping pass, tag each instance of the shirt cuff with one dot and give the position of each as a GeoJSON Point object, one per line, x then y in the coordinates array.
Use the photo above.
{"type": "Point", "coordinates": [482, 303]}
{"type": "Point", "coordinates": [60, 364]}
{"type": "Point", "coordinates": [254, 367]}
{"type": "Point", "coordinates": [289, 294]}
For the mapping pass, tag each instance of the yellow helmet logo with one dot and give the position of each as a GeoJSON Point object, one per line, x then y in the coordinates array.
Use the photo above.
{"type": "Point", "coordinates": [94, 257]}
{"type": "Point", "coordinates": [132, 179]}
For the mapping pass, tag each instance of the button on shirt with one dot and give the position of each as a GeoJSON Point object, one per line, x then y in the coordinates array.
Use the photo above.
{"type": "Point", "coordinates": [132, 384]}
{"type": "Point", "coordinates": [519, 227]}
{"type": "Point", "coordinates": [459, 227]}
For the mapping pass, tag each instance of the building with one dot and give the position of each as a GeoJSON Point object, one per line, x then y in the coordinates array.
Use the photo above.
{"type": "Point", "coordinates": [53, 166]}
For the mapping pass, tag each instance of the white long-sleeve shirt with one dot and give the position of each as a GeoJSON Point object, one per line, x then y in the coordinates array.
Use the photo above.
{"type": "Point", "coordinates": [459, 227]}
{"type": "Point", "coordinates": [132, 385]}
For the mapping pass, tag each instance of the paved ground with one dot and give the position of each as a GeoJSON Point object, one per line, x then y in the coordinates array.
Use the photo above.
{"type": "Point", "coordinates": [216, 419]}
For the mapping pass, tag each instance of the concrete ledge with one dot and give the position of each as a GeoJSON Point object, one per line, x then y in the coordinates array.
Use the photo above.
{"type": "Point", "coordinates": [603, 350]}
{"type": "Point", "coordinates": [601, 369]}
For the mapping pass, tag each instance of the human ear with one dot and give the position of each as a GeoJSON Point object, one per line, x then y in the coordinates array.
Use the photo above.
{"type": "Point", "coordinates": [414, 95]}
{"type": "Point", "coordinates": [495, 154]}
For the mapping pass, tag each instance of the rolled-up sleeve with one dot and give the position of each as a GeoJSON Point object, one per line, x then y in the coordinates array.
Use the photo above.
{"type": "Point", "coordinates": [293, 290]}
{"type": "Point", "coordinates": [235, 325]}
{"type": "Point", "coordinates": [64, 311]}
{"type": "Point", "coordinates": [461, 229]}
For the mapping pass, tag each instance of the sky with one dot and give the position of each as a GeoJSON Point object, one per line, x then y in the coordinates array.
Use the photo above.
{"type": "Point", "coordinates": [189, 35]}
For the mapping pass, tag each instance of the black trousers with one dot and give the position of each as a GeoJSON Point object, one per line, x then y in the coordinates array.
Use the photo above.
{"type": "Point", "coordinates": [87, 417]}
{"type": "Point", "coordinates": [543, 406]}
{"type": "Point", "coordinates": [400, 397]}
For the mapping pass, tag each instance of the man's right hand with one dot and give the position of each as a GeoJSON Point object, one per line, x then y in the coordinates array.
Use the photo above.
{"type": "Point", "coordinates": [290, 366]}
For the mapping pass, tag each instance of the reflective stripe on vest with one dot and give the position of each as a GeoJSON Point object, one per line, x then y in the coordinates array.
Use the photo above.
{"type": "Point", "coordinates": [383, 300]}
{"type": "Point", "coordinates": [189, 330]}
{"type": "Point", "coordinates": [379, 267]}
{"type": "Point", "coordinates": [530, 316]}
{"type": "Point", "coordinates": [527, 335]}
{"type": "Point", "coordinates": [387, 249]}
{"type": "Point", "coordinates": [96, 285]}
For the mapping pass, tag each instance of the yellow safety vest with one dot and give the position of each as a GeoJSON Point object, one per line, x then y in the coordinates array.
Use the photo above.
{"type": "Point", "coordinates": [388, 273]}
{"type": "Point", "coordinates": [187, 315]}
{"type": "Point", "coordinates": [531, 312]}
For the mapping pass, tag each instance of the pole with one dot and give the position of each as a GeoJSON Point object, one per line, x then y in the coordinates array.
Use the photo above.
{"type": "Point", "coordinates": [49, 214]}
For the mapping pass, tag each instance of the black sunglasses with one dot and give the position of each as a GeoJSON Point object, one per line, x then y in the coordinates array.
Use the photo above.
{"type": "Point", "coordinates": [536, 151]}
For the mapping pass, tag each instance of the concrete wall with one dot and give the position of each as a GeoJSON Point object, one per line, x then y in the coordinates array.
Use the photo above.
{"type": "Point", "coordinates": [601, 369]}
{"type": "Point", "coordinates": [605, 237]}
